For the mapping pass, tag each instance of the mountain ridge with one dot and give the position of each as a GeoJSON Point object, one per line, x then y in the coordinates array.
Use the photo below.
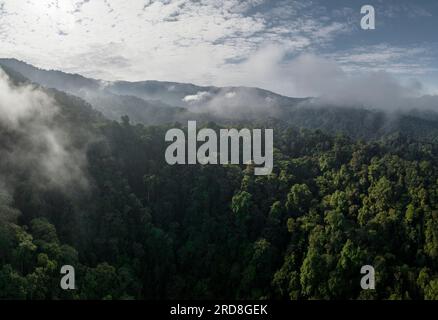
{"type": "Point", "coordinates": [153, 102]}
{"type": "Point", "coordinates": [35, 73]}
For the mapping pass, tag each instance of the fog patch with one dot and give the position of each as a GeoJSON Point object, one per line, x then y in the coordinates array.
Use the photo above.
{"type": "Point", "coordinates": [198, 97]}
{"type": "Point", "coordinates": [33, 145]}
{"type": "Point", "coordinates": [237, 103]}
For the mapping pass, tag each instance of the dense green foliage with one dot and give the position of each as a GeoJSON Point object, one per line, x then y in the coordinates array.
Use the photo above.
{"type": "Point", "coordinates": [142, 229]}
{"type": "Point", "coordinates": [149, 230]}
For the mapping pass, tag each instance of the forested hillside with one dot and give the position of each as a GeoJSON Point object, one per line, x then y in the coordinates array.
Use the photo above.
{"type": "Point", "coordinates": [158, 103]}
{"type": "Point", "coordinates": [137, 228]}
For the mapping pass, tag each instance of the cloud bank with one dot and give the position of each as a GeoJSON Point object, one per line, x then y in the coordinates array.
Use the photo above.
{"type": "Point", "coordinates": [310, 75]}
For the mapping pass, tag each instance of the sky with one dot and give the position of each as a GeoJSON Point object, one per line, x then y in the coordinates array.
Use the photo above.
{"type": "Point", "coordinates": [296, 48]}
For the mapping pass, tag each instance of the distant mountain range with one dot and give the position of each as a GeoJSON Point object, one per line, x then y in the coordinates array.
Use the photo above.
{"type": "Point", "coordinates": [158, 102]}
{"type": "Point", "coordinates": [152, 102]}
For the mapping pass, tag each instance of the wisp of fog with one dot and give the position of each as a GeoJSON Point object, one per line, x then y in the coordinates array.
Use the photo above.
{"type": "Point", "coordinates": [32, 143]}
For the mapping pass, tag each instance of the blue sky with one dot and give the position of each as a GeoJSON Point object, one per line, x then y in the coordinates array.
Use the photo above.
{"type": "Point", "coordinates": [298, 48]}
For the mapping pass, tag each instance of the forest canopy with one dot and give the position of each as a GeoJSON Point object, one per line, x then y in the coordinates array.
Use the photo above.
{"type": "Point", "coordinates": [138, 228]}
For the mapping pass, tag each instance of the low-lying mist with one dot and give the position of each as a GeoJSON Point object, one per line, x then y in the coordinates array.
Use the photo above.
{"type": "Point", "coordinates": [33, 144]}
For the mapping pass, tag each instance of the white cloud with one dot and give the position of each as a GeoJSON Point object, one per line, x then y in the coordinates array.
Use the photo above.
{"type": "Point", "coordinates": [230, 95]}
{"type": "Point", "coordinates": [384, 57]}
{"type": "Point", "coordinates": [198, 97]}
{"type": "Point", "coordinates": [208, 42]}
{"type": "Point", "coordinates": [317, 76]}
{"type": "Point", "coordinates": [177, 40]}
